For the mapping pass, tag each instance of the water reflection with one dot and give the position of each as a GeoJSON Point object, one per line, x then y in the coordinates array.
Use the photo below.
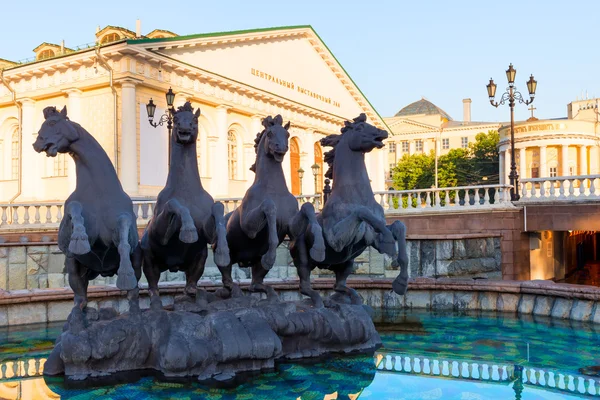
{"type": "Point", "coordinates": [425, 355]}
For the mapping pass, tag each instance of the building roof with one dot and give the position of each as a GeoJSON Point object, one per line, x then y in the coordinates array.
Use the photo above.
{"type": "Point", "coordinates": [422, 106]}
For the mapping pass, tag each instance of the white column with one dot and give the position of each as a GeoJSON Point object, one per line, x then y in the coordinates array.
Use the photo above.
{"type": "Point", "coordinates": [543, 163]}
{"type": "Point", "coordinates": [128, 160]}
{"type": "Point", "coordinates": [522, 163]}
{"type": "Point", "coordinates": [75, 115]}
{"type": "Point", "coordinates": [31, 162]}
{"type": "Point", "coordinates": [411, 147]}
{"type": "Point", "coordinates": [564, 171]}
{"type": "Point", "coordinates": [583, 167]}
{"type": "Point", "coordinates": [220, 176]}
{"type": "Point", "coordinates": [501, 174]}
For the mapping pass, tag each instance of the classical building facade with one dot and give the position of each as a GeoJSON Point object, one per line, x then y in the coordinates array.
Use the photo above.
{"type": "Point", "coordinates": [236, 78]}
{"type": "Point", "coordinates": [421, 126]}
{"type": "Point", "coordinates": [554, 147]}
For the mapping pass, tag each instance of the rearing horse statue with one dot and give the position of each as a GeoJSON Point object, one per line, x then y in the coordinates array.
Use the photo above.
{"type": "Point", "coordinates": [268, 212]}
{"type": "Point", "coordinates": [186, 218]}
{"type": "Point", "coordinates": [98, 233]}
{"type": "Point", "coordinates": [351, 219]}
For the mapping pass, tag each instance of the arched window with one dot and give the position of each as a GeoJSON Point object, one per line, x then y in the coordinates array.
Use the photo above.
{"type": "Point", "coordinates": [111, 37]}
{"type": "Point", "coordinates": [14, 156]}
{"type": "Point", "coordinates": [295, 165]}
{"type": "Point", "coordinates": [319, 162]}
{"type": "Point", "coordinates": [232, 154]}
{"type": "Point", "coordinates": [45, 54]}
{"type": "Point", "coordinates": [60, 164]}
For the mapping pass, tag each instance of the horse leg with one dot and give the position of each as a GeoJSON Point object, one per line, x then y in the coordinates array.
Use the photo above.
{"type": "Point", "coordinates": [386, 242]}
{"type": "Point", "coordinates": [255, 220]}
{"type": "Point", "coordinates": [400, 284]}
{"type": "Point", "coordinates": [79, 243]}
{"type": "Point", "coordinates": [342, 271]}
{"type": "Point", "coordinates": [152, 273]}
{"type": "Point", "coordinates": [306, 219]}
{"type": "Point", "coordinates": [257, 285]}
{"type": "Point", "coordinates": [303, 267]}
{"type": "Point", "coordinates": [126, 279]}
{"type": "Point", "coordinates": [194, 273]}
{"type": "Point", "coordinates": [215, 230]}
{"type": "Point", "coordinates": [230, 288]}
{"type": "Point", "coordinates": [78, 281]}
{"type": "Point", "coordinates": [184, 223]}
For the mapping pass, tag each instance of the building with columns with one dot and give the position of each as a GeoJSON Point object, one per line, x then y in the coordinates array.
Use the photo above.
{"type": "Point", "coordinates": [236, 78]}
{"type": "Point", "coordinates": [546, 148]}
{"type": "Point", "coordinates": [422, 126]}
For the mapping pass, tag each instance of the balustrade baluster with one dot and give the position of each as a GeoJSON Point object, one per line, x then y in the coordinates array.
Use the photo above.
{"type": "Point", "coordinates": [4, 216]}
{"type": "Point", "coordinates": [427, 199]}
{"type": "Point", "coordinates": [407, 364]}
{"type": "Point", "coordinates": [381, 201]}
{"type": "Point", "coordinates": [437, 199]}
{"type": "Point", "coordinates": [523, 190]}
{"type": "Point", "coordinates": [480, 371]}
{"type": "Point", "coordinates": [409, 203]}
{"type": "Point", "coordinates": [571, 188]}
{"type": "Point", "coordinates": [400, 201]}
{"type": "Point", "coordinates": [49, 214]}
{"type": "Point", "coordinates": [26, 215]}
{"type": "Point", "coordinates": [427, 366]}
{"type": "Point", "coordinates": [388, 363]}
{"type": "Point", "coordinates": [447, 198]}
{"type": "Point", "coordinates": [150, 210]}
{"type": "Point", "coordinates": [561, 189]}
{"type": "Point", "coordinates": [421, 365]}
{"type": "Point", "coordinates": [542, 189]}
{"type": "Point", "coordinates": [486, 197]}
{"type": "Point", "coordinates": [59, 213]}
{"type": "Point", "coordinates": [37, 215]}
{"type": "Point", "coordinates": [139, 212]}
{"type": "Point", "coordinates": [398, 363]}
{"type": "Point", "coordinates": [581, 187]}
{"type": "Point", "coordinates": [15, 220]}
{"type": "Point", "coordinates": [552, 192]}
{"type": "Point", "coordinates": [592, 187]}
{"type": "Point", "coordinates": [571, 384]}
{"type": "Point", "coordinates": [457, 197]}
{"type": "Point", "coordinates": [416, 367]}
{"type": "Point", "coordinates": [477, 199]}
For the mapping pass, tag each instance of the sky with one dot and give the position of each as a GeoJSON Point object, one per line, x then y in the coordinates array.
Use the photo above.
{"type": "Point", "coordinates": [396, 51]}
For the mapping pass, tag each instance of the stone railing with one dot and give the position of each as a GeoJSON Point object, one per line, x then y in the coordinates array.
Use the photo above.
{"type": "Point", "coordinates": [445, 199]}
{"type": "Point", "coordinates": [22, 369]}
{"type": "Point", "coordinates": [561, 188]}
{"type": "Point", "coordinates": [47, 215]}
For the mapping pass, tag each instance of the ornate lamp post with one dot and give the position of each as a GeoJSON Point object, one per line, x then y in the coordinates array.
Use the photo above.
{"type": "Point", "coordinates": [166, 117]}
{"type": "Point", "coordinates": [300, 175]}
{"type": "Point", "coordinates": [315, 170]}
{"type": "Point", "coordinates": [511, 95]}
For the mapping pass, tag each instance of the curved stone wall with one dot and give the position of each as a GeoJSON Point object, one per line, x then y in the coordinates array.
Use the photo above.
{"type": "Point", "coordinates": [541, 298]}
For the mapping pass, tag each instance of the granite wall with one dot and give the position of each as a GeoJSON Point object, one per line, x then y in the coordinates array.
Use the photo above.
{"type": "Point", "coordinates": [42, 266]}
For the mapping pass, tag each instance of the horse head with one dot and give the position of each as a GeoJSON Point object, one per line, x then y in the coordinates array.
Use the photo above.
{"type": "Point", "coordinates": [362, 136]}
{"type": "Point", "coordinates": [56, 134]}
{"type": "Point", "coordinates": [185, 124]}
{"type": "Point", "coordinates": [275, 137]}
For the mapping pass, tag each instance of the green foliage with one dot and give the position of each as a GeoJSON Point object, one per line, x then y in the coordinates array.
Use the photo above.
{"type": "Point", "coordinates": [459, 167]}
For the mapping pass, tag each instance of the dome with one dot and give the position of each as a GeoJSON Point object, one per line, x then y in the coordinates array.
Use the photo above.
{"type": "Point", "coordinates": [422, 107]}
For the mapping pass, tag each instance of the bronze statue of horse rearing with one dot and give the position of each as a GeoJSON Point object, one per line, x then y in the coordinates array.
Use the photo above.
{"type": "Point", "coordinates": [268, 212]}
{"type": "Point", "coordinates": [98, 233]}
{"type": "Point", "coordinates": [351, 219]}
{"type": "Point", "coordinates": [186, 218]}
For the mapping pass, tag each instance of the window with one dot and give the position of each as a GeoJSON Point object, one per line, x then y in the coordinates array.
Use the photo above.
{"type": "Point", "coordinates": [232, 154]}
{"type": "Point", "coordinates": [572, 171]}
{"type": "Point", "coordinates": [464, 142]}
{"type": "Point", "coordinates": [445, 143]}
{"type": "Point", "coordinates": [111, 37]}
{"type": "Point", "coordinates": [553, 172]}
{"type": "Point", "coordinates": [60, 165]}
{"type": "Point", "coordinates": [392, 147]}
{"type": "Point", "coordinates": [405, 147]}
{"type": "Point", "coordinates": [45, 54]}
{"type": "Point", "coordinates": [419, 145]}
{"type": "Point", "coordinates": [535, 172]}
{"type": "Point", "coordinates": [14, 156]}
{"type": "Point", "coordinates": [392, 166]}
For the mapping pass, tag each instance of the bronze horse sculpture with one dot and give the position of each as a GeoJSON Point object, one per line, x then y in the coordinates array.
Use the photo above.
{"type": "Point", "coordinates": [186, 218]}
{"type": "Point", "coordinates": [351, 219]}
{"type": "Point", "coordinates": [268, 212]}
{"type": "Point", "coordinates": [98, 233]}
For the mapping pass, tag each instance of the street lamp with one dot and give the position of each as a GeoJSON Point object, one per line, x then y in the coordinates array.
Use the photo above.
{"type": "Point", "coordinates": [166, 117]}
{"type": "Point", "coordinates": [300, 175]}
{"type": "Point", "coordinates": [315, 170]}
{"type": "Point", "coordinates": [511, 95]}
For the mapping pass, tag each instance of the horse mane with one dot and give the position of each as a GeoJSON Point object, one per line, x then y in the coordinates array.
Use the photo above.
{"type": "Point", "coordinates": [51, 111]}
{"type": "Point", "coordinates": [333, 140]}
{"type": "Point", "coordinates": [187, 106]}
{"type": "Point", "coordinates": [267, 122]}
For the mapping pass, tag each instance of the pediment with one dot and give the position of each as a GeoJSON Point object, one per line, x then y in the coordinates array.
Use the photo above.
{"type": "Point", "coordinates": [292, 63]}
{"type": "Point", "coordinates": [401, 126]}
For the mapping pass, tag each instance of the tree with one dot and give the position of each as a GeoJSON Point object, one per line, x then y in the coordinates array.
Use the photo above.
{"type": "Point", "coordinates": [413, 172]}
{"type": "Point", "coordinates": [486, 156]}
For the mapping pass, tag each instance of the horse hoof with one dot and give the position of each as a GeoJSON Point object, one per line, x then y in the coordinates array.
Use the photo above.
{"type": "Point", "coordinates": [156, 304]}
{"type": "Point", "coordinates": [317, 254]}
{"type": "Point", "coordinates": [188, 235]}
{"type": "Point", "coordinates": [268, 260]}
{"type": "Point", "coordinates": [400, 286]}
{"type": "Point", "coordinates": [79, 244]}
{"type": "Point", "coordinates": [126, 280]}
{"type": "Point", "coordinates": [222, 258]}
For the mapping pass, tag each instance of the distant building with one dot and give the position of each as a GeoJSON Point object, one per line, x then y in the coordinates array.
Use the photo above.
{"type": "Point", "coordinates": [420, 125]}
{"type": "Point", "coordinates": [554, 147]}
{"type": "Point", "coordinates": [236, 78]}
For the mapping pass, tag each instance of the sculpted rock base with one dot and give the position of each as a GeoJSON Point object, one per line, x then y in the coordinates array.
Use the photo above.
{"type": "Point", "coordinates": [214, 341]}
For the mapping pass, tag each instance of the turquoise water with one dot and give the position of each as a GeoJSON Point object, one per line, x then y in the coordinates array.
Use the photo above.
{"type": "Point", "coordinates": [425, 356]}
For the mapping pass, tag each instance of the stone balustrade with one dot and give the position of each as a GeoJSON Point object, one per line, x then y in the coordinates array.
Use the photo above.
{"type": "Point", "coordinates": [560, 188]}
{"type": "Point", "coordinates": [47, 215]}
{"type": "Point", "coordinates": [457, 199]}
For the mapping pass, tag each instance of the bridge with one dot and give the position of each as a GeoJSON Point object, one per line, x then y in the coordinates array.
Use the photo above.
{"type": "Point", "coordinates": [540, 235]}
